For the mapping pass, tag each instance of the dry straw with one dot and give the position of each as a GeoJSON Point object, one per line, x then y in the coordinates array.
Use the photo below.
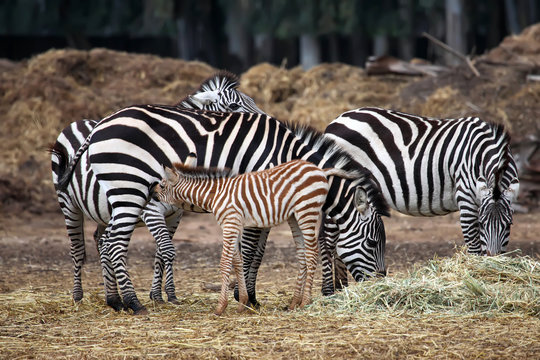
{"type": "Point", "coordinates": [460, 285]}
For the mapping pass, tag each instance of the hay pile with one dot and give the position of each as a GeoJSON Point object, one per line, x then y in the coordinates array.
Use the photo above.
{"type": "Point", "coordinates": [460, 285]}
{"type": "Point", "coordinates": [319, 95]}
{"type": "Point", "coordinates": [39, 320]}
{"type": "Point", "coordinates": [39, 97]}
{"type": "Point", "coordinates": [501, 94]}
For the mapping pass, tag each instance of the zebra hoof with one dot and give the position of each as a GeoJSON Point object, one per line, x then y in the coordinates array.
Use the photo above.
{"type": "Point", "coordinates": [116, 303]}
{"type": "Point", "coordinates": [157, 298]}
{"type": "Point", "coordinates": [174, 301]}
{"type": "Point", "coordinates": [140, 311]}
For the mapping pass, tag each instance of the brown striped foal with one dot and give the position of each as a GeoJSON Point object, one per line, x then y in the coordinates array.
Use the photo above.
{"type": "Point", "coordinates": [294, 191]}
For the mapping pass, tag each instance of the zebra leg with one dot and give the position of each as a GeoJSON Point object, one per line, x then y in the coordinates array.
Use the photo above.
{"type": "Point", "coordinates": [112, 297]}
{"type": "Point", "coordinates": [75, 228]}
{"type": "Point", "coordinates": [241, 280]}
{"type": "Point", "coordinates": [172, 224]}
{"type": "Point", "coordinates": [165, 254]}
{"type": "Point", "coordinates": [328, 236]}
{"type": "Point", "coordinates": [120, 231]}
{"type": "Point", "coordinates": [252, 257]}
{"type": "Point", "coordinates": [340, 273]}
{"type": "Point", "coordinates": [302, 267]}
{"type": "Point", "coordinates": [231, 232]}
{"type": "Point", "coordinates": [470, 227]}
{"type": "Point", "coordinates": [309, 234]}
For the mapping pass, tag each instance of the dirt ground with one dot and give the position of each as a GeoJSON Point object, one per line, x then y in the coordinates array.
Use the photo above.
{"type": "Point", "coordinates": [39, 320]}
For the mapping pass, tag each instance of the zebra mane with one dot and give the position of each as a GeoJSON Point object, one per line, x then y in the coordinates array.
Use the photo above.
{"type": "Point", "coordinates": [223, 80]}
{"type": "Point", "coordinates": [499, 131]}
{"type": "Point", "coordinates": [202, 173]}
{"type": "Point", "coordinates": [339, 159]}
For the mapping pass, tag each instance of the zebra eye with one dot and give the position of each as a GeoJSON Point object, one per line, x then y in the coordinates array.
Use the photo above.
{"type": "Point", "coordinates": [234, 106]}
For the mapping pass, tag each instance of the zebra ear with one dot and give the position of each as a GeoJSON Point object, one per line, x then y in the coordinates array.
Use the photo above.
{"type": "Point", "coordinates": [191, 160]}
{"type": "Point", "coordinates": [171, 175]}
{"type": "Point", "coordinates": [360, 199]}
{"type": "Point", "coordinates": [512, 192]}
{"type": "Point", "coordinates": [205, 98]}
{"type": "Point", "coordinates": [482, 189]}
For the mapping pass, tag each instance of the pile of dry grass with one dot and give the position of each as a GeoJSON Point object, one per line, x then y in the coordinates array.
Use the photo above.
{"type": "Point", "coordinates": [460, 285]}
{"type": "Point", "coordinates": [372, 320]}
{"type": "Point", "coordinates": [41, 96]}
{"type": "Point", "coordinates": [319, 95]}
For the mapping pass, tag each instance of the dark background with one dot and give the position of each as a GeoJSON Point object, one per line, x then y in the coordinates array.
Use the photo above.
{"type": "Point", "coordinates": [236, 34]}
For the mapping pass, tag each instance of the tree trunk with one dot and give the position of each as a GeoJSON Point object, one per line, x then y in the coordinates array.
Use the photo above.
{"type": "Point", "coordinates": [310, 52]}
{"type": "Point", "coordinates": [455, 30]}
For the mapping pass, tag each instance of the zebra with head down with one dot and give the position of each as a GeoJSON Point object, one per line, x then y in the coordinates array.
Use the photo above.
{"type": "Point", "coordinates": [431, 167]}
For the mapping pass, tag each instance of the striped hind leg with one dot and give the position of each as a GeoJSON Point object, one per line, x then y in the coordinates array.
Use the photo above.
{"type": "Point", "coordinates": [308, 224]}
{"type": "Point", "coordinates": [230, 253]}
{"type": "Point", "coordinates": [253, 245]}
{"type": "Point", "coordinates": [112, 297]}
{"type": "Point", "coordinates": [328, 236]}
{"type": "Point", "coordinates": [155, 220]}
{"type": "Point", "coordinates": [301, 259]}
{"type": "Point", "coordinates": [75, 228]}
{"type": "Point", "coordinates": [115, 245]}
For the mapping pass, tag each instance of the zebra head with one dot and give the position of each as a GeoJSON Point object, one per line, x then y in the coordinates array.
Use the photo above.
{"type": "Point", "coordinates": [495, 216]}
{"type": "Point", "coordinates": [220, 93]}
{"type": "Point", "coordinates": [362, 237]}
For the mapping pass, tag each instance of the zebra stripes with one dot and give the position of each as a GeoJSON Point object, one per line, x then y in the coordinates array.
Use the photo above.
{"type": "Point", "coordinates": [431, 167]}
{"type": "Point", "coordinates": [294, 191]}
{"type": "Point", "coordinates": [128, 149]}
{"type": "Point", "coordinates": [84, 197]}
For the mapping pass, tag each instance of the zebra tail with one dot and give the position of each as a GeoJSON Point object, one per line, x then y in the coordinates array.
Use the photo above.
{"type": "Point", "coordinates": [65, 177]}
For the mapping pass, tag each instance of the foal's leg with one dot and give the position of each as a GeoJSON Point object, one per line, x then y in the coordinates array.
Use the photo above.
{"type": "Point", "coordinates": [231, 232]}
{"type": "Point", "coordinates": [301, 258]}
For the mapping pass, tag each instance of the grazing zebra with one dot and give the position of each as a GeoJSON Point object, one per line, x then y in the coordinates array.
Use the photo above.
{"type": "Point", "coordinates": [294, 191]}
{"type": "Point", "coordinates": [84, 197]}
{"type": "Point", "coordinates": [431, 167]}
{"type": "Point", "coordinates": [128, 149]}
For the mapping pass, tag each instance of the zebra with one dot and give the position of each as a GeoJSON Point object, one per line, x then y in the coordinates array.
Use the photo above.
{"type": "Point", "coordinates": [294, 191]}
{"type": "Point", "coordinates": [431, 167]}
{"type": "Point", "coordinates": [84, 197]}
{"type": "Point", "coordinates": [128, 149]}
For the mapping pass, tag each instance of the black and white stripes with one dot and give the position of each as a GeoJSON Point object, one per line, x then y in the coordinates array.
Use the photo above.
{"type": "Point", "coordinates": [128, 149]}
{"type": "Point", "coordinates": [429, 167]}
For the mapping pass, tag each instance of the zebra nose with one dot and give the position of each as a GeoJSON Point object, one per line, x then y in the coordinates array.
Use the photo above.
{"type": "Point", "coordinates": [488, 252]}
{"type": "Point", "coordinates": [381, 273]}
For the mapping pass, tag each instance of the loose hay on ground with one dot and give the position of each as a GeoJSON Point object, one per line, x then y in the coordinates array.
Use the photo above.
{"type": "Point", "coordinates": [40, 322]}
{"type": "Point", "coordinates": [462, 284]}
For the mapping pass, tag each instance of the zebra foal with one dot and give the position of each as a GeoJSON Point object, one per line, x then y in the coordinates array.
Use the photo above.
{"type": "Point", "coordinates": [294, 191]}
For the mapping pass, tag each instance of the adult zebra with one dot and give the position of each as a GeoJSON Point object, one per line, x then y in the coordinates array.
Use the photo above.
{"type": "Point", "coordinates": [128, 149]}
{"type": "Point", "coordinates": [431, 167]}
{"type": "Point", "coordinates": [84, 198]}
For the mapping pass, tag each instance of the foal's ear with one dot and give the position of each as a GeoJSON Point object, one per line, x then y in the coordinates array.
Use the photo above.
{"type": "Point", "coordinates": [191, 160]}
{"type": "Point", "coordinates": [171, 175]}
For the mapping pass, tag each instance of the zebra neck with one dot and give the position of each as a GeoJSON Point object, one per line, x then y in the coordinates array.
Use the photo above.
{"type": "Point", "coordinates": [201, 192]}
